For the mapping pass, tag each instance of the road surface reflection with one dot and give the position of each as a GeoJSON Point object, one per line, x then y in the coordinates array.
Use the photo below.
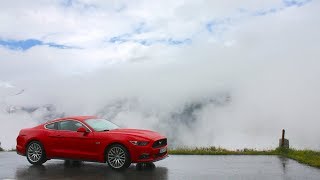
{"type": "Point", "coordinates": [88, 171]}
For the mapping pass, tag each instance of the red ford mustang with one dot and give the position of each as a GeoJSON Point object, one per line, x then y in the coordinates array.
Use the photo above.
{"type": "Point", "coordinates": [88, 138]}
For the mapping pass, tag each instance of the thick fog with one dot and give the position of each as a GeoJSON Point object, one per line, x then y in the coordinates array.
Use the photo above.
{"type": "Point", "coordinates": [239, 92]}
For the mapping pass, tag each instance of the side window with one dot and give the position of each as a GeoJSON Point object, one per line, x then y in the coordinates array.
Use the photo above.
{"type": "Point", "coordinates": [69, 125]}
{"type": "Point", "coordinates": [52, 126]}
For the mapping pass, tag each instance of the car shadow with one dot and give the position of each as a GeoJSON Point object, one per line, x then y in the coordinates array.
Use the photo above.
{"type": "Point", "coordinates": [66, 170]}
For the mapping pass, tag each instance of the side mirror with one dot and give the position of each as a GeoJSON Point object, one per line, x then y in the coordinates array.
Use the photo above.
{"type": "Point", "coordinates": [82, 130]}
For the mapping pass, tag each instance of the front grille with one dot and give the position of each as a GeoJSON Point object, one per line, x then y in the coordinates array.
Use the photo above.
{"type": "Point", "coordinates": [144, 156]}
{"type": "Point", "coordinates": [159, 143]}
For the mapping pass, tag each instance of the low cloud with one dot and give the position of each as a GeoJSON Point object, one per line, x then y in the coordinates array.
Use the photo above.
{"type": "Point", "coordinates": [200, 94]}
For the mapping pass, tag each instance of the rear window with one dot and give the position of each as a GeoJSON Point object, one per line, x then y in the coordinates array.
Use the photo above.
{"type": "Point", "coordinates": [70, 125]}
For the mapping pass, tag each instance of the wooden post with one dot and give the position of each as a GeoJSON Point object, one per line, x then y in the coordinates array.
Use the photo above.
{"type": "Point", "coordinates": [282, 139]}
{"type": "Point", "coordinates": [283, 142]}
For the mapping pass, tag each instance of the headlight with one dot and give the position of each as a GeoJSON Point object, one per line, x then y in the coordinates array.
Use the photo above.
{"type": "Point", "coordinates": [139, 143]}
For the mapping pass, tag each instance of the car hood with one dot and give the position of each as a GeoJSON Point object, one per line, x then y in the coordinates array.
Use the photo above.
{"type": "Point", "coordinates": [139, 133]}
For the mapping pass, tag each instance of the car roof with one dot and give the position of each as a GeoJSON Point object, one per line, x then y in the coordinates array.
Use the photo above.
{"type": "Point", "coordinates": [79, 118]}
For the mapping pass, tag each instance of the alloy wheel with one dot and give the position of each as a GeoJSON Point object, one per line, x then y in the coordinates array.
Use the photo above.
{"type": "Point", "coordinates": [116, 157]}
{"type": "Point", "coordinates": [34, 152]}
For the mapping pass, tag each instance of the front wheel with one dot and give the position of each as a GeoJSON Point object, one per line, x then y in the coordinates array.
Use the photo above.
{"type": "Point", "coordinates": [35, 153]}
{"type": "Point", "coordinates": [117, 157]}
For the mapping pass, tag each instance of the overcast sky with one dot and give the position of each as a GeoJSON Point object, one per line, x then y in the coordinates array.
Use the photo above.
{"type": "Point", "coordinates": [83, 55]}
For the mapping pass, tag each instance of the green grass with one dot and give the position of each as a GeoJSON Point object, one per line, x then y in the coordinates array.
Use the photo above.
{"type": "Point", "coordinates": [5, 150]}
{"type": "Point", "coordinates": [219, 151]}
{"type": "Point", "coordinates": [308, 157]}
{"type": "Point", "coordinates": [311, 158]}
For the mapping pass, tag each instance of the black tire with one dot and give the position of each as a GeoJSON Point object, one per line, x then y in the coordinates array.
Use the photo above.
{"type": "Point", "coordinates": [118, 157]}
{"type": "Point", "coordinates": [35, 153]}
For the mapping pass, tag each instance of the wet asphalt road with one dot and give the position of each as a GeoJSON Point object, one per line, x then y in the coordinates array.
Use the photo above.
{"type": "Point", "coordinates": [13, 166]}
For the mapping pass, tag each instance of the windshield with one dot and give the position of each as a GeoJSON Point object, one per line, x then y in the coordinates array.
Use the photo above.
{"type": "Point", "coordinates": [101, 124]}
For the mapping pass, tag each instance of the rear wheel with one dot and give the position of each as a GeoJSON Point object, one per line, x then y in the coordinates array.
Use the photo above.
{"type": "Point", "coordinates": [35, 153]}
{"type": "Point", "coordinates": [117, 157]}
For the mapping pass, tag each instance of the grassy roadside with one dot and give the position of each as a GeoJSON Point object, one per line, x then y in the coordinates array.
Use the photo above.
{"type": "Point", "coordinates": [311, 158]}
{"type": "Point", "coordinates": [219, 151]}
{"type": "Point", "coordinates": [4, 150]}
